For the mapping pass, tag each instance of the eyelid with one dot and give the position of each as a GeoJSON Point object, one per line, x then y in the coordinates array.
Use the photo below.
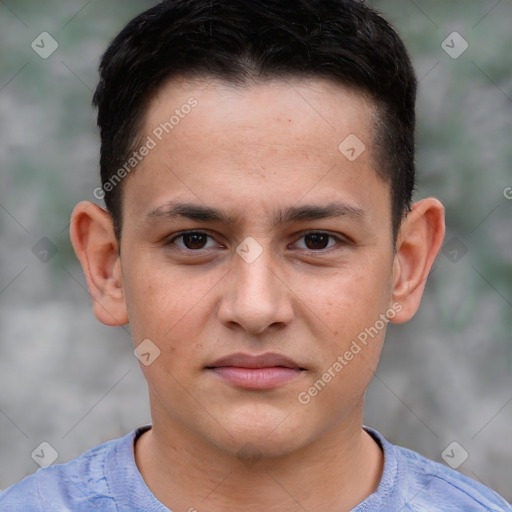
{"type": "Point", "coordinates": [175, 236]}
{"type": "Point", "coordinates": [342, 240]}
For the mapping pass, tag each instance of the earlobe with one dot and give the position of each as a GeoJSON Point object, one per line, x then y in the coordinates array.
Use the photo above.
{"type": "Point", "coordinates": [418, 243]}
{"type": "Point", "coordinates": [95, 244]}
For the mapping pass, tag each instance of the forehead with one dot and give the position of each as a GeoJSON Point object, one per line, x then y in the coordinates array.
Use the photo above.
{"type": "Point", "coordinates": [263, 141]}
{"type": "Point", "coordinates": [297, 105]}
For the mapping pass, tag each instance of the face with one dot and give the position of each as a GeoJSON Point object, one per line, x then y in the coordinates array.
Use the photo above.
{"type": "Point", "coordinates": [256, 254]}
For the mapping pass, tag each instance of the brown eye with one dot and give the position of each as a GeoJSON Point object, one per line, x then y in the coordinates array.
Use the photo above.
{"type": "Point", "coordinates": [192, 240]}
{"type": "Point", "coordinates": [317, 241]}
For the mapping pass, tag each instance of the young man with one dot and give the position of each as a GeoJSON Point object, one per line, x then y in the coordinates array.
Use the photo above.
{"type": "Point", "coordinates": [257, 165]}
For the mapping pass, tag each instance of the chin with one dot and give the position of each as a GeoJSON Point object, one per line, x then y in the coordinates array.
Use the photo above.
{"type": "Point", "coordinates": [251, 447]}
{"type": "Point", "coordinates": [273, 438]}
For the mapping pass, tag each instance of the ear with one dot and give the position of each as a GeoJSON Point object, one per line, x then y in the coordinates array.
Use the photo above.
{"type": "Point", "coordinates": [94, 242]}
{"type": "Point", "coordinates": [418, 242]}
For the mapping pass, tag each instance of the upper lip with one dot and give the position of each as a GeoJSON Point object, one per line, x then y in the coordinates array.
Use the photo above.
{"type": "Point", "coordinates": [267, 360]}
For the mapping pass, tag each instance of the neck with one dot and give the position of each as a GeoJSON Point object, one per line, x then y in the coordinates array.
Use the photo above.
{"type": "Point", "coordinates": [185, 472]}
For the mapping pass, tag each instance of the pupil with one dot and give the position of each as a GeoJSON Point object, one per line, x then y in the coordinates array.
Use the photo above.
{"type": "Point", "coordinates": [315, 237]}
{"type": "Point", "coordinates": [191, 240]}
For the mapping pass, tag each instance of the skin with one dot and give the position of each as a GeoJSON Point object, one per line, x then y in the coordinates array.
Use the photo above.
{"type": "Point", "coordinates": [250, 151]}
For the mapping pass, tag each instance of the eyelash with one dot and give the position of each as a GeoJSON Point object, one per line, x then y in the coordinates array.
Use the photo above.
{"type": "Point", "coordinates": [340, 241]}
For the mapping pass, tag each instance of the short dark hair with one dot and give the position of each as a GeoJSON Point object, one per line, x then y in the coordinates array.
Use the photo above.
{"type": "Point", "coordinates": [345, 41]}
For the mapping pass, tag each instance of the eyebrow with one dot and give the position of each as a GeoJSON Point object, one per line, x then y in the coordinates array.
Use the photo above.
{"type": "Point", "coordinates": [202, 213]}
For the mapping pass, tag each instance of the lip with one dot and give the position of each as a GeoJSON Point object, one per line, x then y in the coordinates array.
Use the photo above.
{"type": "Point", "coordinates": [263, 371]}
{"type": "Point", "coordinates": [267, 360]}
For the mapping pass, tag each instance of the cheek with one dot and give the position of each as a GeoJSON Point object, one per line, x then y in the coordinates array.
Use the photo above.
{"type": "Point", "coordinates": [347, 307]}
{"type": "Point", "coordinates": [170, 307]}
{"type": "Point", "coordinates": [347, 300]}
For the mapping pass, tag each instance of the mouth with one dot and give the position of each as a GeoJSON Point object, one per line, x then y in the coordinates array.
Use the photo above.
{"type": "Point", "coordinates": [265, 371]}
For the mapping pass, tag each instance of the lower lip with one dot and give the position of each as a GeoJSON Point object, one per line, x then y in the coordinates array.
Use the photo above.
{"type": "Point", "coordinates": [257, 378]}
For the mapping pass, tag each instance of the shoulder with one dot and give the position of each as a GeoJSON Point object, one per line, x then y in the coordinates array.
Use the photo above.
{"type": "Point", "coordinates": [426, 485]}
{"type": "Point", "coordinates": [78, 485]}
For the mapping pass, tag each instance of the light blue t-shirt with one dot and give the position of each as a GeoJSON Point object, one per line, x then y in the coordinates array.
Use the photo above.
{"type": "Point", "coordinates": [106, 479]}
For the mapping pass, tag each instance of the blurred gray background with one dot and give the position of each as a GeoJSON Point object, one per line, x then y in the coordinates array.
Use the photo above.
{"type": "Point", "coordinates": [445, 376]}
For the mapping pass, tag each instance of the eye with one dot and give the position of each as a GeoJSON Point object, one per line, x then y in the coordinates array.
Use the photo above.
{"type": "Point", "coordinates": [196, 241]}
{"type": "Point", "coordinates": [319, 240]}
{"type": "Point", "coordinates": [192, 240]}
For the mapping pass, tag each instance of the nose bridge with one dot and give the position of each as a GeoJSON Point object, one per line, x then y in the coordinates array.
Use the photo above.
{"type": "Point", "coordinates": [257, 297]}
{"type": "Point", "coordinates": [257, 277]}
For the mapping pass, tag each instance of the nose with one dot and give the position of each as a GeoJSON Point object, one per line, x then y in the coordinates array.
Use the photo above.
{"type": "Point", "coordinates": [255, 297]}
